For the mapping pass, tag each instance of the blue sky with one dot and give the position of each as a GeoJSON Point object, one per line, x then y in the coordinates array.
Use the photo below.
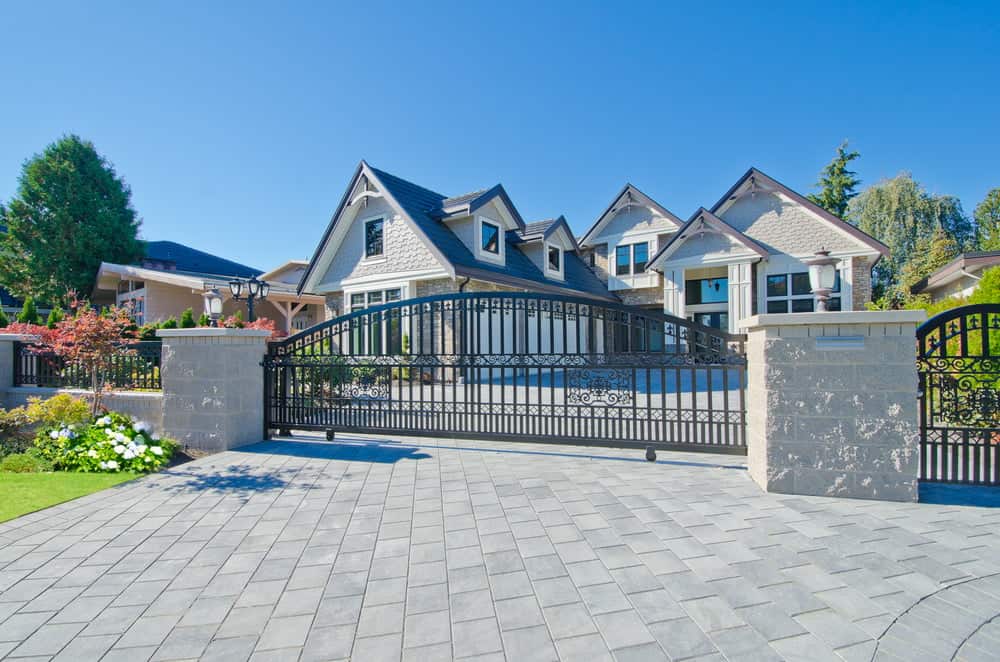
{"type": "Point", "coordinates": [238, 128]}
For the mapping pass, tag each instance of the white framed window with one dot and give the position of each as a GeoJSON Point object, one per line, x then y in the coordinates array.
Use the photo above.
{"type": "Point", "coordinates": [554, 261]}
{"type": "Point", "coordinates": [378, 333]}
{"type": "Point", "coordinates": [791, 293]}
{"type": "Point", "coordinates": [631, 259]}
{"type": "Point", "coordinates": [374, 239]}
{"type": "Point", "coordinates": [490, 244]}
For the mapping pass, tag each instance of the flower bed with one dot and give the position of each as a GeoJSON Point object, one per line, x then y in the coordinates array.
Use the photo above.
{"type": "Point", "coordinates": [112, 442]}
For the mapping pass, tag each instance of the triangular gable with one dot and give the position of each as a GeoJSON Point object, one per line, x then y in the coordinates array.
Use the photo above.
{"type": "Point", "coordinates": [755, 180]}
{"type": "Point", "coordinates": [705, 221]}
{"type": "Point", "coordinates": [628, 195]}
{"type": "Point", "coordinates": [545, 230]}
{"type": "Point", "coordinates": [405, 198]}
{"type": "Point", "coordinates": [468, 204]}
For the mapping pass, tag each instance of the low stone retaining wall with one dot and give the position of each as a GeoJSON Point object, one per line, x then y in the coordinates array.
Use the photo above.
{"type": "Point", "coordinates": [144, 405]}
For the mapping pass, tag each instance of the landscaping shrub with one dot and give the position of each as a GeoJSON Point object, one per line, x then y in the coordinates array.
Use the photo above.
{"type": "Point", "coordinates": [204, 320]}
{"type": "Point", "coordinates": [187, 319]}
{"type": "Point", "coordinates": [58, 411]}
{"type": "Point", "coordinates": [4, 320]}
{"type": "Point", "coordinates": [169, 323]}
{"type": "Point", "coordinates": [55, 316]}
{"type": "Point", "coordinates": [148, 331]}
{"type": "Point", "coordinates": [112, 442]}
{"type": "Point", "coordinates": [29, 313]}
{"type": "Point", "coordinates": [15, 430]}
{"type": "Point", "coordinates": [30, 461]}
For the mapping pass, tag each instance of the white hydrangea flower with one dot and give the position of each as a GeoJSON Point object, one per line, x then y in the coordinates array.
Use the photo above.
{"type": "Point", "coordinates": [54, 434]}
{"type": "Point", "coordinates": [91, 453]}
{"type": "Point", "coordinates": [156, 436]}
{"type": "Point", "coordinates": [140, 426]}
{"type": "Point", "coordinates": [128, 454]}
{"type": "Point", "coordinates": [109, 432]}
{"type": "Point", "coordinates": [156, 450]}
{"type": "Point", "coordinates": [140, 449]}
{"type": "Point", "coordinates": [103, 464]}
{"type": "Point", "coordinates": [119, 449]}
{"type": "Point", "coordinates": [112, 464]}
{"type": "Point", "coordinates": [104, 420]}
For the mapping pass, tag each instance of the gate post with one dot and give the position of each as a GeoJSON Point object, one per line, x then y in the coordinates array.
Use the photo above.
{"type": "Point", "coordinates": [213, 386]}
{"type": "Point", "coordinates": [832, 404]}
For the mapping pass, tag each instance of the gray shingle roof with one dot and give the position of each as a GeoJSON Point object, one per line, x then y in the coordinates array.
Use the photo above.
{"type": "Point", "coordinates": [193, 261]}
{"type": "Point", "coordinates": [421, 203]}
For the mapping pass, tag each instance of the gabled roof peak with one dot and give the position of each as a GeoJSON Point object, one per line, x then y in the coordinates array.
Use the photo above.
{"type": "Point", "coordinates": [631, 193]}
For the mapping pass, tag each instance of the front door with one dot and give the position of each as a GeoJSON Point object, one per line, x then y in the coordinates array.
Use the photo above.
{"type": "Point", "coordinates": [714, 320]}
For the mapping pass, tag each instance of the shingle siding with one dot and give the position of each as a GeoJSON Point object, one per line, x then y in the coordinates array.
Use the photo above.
{"type": "Point", "coordinates": [403, 249]}
{"type": "Point", "coordinates": [783, 226]}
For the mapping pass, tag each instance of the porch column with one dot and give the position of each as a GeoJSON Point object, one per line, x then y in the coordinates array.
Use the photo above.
{"type": "Point", "coordinates": [673, 292]}
{"type": "Point", "coordinates": [740, 294]}
{"type": "Point", "coordinates": [832, 404]}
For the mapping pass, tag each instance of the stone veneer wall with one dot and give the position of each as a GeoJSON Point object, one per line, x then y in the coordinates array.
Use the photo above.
{"type": "Point", "coordinates": [832, 404]}
{"type": "Point", "coordinates": [861, 282]}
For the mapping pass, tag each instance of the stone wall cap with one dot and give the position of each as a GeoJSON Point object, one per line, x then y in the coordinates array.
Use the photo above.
{"type": "Point", "coordinates": [833, 318]}
{"type": "Point", "coordinates": [18, 337]}
{"type": "Point", "coordinates": [213, 332]}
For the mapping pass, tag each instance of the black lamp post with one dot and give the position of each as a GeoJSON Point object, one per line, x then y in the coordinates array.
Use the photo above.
{"type": "Point", "coordinates": [255, 289]}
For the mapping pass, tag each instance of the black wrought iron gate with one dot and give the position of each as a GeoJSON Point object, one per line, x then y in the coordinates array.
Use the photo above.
{"type": "Point", "coordinates": [513, 366]}
{"type": "Point", "coordinates": [958, 357]}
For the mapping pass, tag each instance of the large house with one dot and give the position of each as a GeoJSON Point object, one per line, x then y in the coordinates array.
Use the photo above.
{"type": "Point", "coordinates": [172, 277]}
{"type": "Point", "coordinates": [390, 239]}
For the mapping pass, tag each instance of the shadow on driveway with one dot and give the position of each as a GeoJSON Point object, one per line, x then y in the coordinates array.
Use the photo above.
{"type": "Point", "coordinates": [370, 449]}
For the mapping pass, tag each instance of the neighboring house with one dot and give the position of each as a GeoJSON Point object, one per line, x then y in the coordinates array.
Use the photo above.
{"type": "Point", "coordinates": [959, 277]}
{"type": "Point", "coordinates": [173, 277]}
{"type": "Point", "coordinates": [390, 239]}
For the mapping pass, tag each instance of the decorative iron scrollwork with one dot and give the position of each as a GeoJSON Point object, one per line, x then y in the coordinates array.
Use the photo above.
{"type": "Point", "coordinates": [591, 386]}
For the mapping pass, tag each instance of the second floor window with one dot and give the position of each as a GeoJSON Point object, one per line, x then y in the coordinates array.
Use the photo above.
{"type": "Point", "coordinates": [374, 246]}
{"type": "Point", "coordinates": [555, 258]}
{"type": "Point", "coordinates": [630, 259]}
{"type": "Point", "coordinates": [491, 238]}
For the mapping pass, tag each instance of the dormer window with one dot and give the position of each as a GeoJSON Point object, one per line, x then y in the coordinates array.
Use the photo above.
{"type": "Point", "coordinates": [490, 238]}
{"type": "Point", "coordinates": [374, 239]}
{"type": "Point", "coordinates": [553, 261]}
{"type": "Point", "coordinates": [555, 258]}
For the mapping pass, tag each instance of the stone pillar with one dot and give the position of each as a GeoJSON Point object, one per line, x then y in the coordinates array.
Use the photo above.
{"type": "Point", "coordinates": [7, 341]}
{"type": "Point", "coordinates": [832, 404]}
{"type": "Point", "coordinates": [213, 386]}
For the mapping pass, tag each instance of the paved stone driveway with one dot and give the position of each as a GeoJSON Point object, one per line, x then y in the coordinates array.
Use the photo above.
{"type": "Point", "coordinates": [377, 551]}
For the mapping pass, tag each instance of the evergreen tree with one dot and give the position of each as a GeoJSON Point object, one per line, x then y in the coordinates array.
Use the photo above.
{"type": "Point", "coordinates": [987, 215]}
{"type": "Point", "coordinates": [837, 184]}
{"type": "Point", "coordinates": [70, 213]}
{"type": "Point", "coordinates": [169, 323]}
{"type": "Point", "coordinates": [55, 316]}
{"type": "Point", "coordinates": [29, 313]}
{"type": "Point", "coordinates": [187, 319]}
{"type": "Point", "coordinates": [204, 320]}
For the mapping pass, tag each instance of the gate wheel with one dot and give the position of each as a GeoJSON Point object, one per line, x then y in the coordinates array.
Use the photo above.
{"type": "Point", "coordinates": [329, 435]}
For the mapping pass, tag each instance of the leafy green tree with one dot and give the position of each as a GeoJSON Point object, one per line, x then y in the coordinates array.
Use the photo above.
{"type": "Point", "coordinates": [987, 215]}
{"type": "Point", "coordinates": [837, 184]}
{"type": "Point", "coordinates": [71, 212]}
{"type": "Point", "coordinates": [55, 316]}
{"type": "Point", "coordinates": [29, 312]}
{"type": "Point", "coordinates": [187, 319]}
{"type": "Point", "coordinates": [899, 212]}
{"type": "Point", "coordinates": [930, 254]}
{"type": "Point", "coordinates": [4, 321]}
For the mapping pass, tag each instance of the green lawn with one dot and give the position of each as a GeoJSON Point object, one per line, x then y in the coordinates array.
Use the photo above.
{"type": "Point", "coordinates": [21, 494]}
